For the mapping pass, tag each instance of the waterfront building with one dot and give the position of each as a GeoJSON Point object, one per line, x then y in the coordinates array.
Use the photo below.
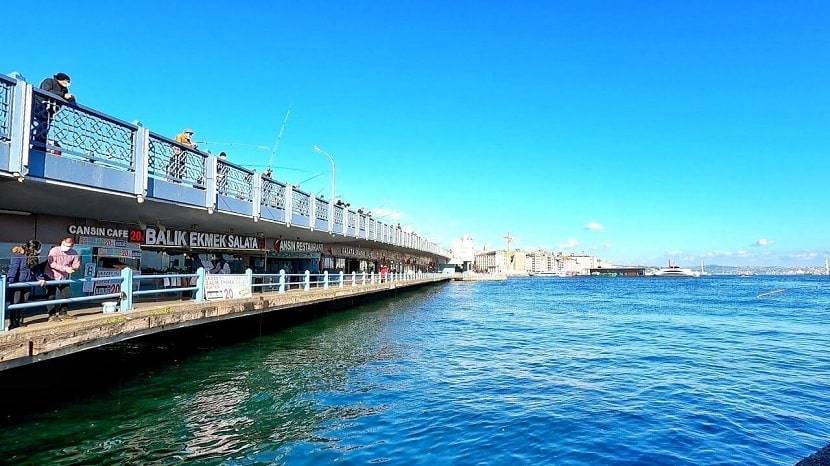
{"type": "Point", "coordinates": [501, 262]}
{"type": "Point", "coordinates": [463, 253]}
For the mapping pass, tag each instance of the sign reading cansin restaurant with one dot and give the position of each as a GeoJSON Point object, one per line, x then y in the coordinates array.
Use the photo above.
{"type": "Point", "coordinates": [194, 239]}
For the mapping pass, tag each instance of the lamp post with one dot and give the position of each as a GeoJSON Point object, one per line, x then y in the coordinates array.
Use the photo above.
{"type": "Point", "coordinates": [319, 150]}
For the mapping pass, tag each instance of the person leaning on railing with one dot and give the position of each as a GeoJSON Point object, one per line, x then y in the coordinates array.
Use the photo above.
{"type": "Point", "coordinates": [23, 268]}
{"type": "Point", "coordinates": [62, 262]}
{"type": "Point", "coordinates": [177, 165]}
{"type": "Point", "coordinates": [46, 109]}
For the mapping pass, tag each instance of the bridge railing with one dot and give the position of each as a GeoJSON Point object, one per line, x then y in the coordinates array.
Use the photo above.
{"type": "Point", "coordinates": [129, 159]}
{"type": "Point", "coordinates": [175, 162]}
{"type": "Point", "coordinates": [234, 181]}
{"type": "Point", "coordinates": [6, 89]}
{"type": "Point", "coordinates": [70, 130]}
{"type": "Point", "coordinates": [129, 286]}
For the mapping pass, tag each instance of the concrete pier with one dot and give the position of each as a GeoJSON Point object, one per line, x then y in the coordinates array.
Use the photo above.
{"type": "Point", "coordinates": [48, 340]}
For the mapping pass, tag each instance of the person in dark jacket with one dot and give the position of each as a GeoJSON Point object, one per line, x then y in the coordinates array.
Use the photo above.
{"type": "Point", "coordinates": [44, 110]}
{"type": "Point", "coordinates": [21, 271]}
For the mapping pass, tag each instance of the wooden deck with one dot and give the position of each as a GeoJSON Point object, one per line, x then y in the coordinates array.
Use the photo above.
{"type": "Point", "coordinates": [40, 340]}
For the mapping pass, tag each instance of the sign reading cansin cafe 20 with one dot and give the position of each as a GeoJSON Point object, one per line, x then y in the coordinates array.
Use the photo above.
{"type": "Point", "coordinates": [195, 239]}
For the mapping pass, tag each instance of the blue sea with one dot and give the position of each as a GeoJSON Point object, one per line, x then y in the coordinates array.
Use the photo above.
{"type": "Point", "coordinates": [570, 371]}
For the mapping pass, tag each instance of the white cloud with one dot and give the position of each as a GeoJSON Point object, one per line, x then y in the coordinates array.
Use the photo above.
{"type": "Point", "coordinates": [569, 244]}
{"type": "Point", "coordinates": [594, 226]}
{"type": "Point", "coordinates": [804, 255]}
{"type": "Point", "coordinates": [764, 242]}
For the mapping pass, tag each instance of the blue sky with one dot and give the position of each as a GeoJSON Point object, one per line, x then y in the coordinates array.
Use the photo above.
{"type": "Point", "coordinates": [680, 129]}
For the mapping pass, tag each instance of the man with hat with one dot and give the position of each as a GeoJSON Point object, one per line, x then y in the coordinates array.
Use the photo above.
{"type": "Point", "coordinates": [177, 166]}
{"type": "Point", "coordinates": [46, 109]}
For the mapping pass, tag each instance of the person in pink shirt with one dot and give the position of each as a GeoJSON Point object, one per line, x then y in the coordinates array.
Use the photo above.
{"type": "Point", "coordinates": [61, 263]}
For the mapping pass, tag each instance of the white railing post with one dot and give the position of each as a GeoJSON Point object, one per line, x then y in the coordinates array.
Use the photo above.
{"type": "Point", "coordinates": [325, 279]}
{"type": "Point", "coordinates": [372, 277]}
{"type": "Point", "coordinates": [307, 280]}
{"type": "Point", "coordinates": [249, 275]}
{"type": "Point", "coordinates": [141, 162]}
{"type": "Point", "coordinates": [20, 129]}
{"type": "Point", "coordinates": [354, 276]}
{"type": "Point", "coordinates": [364, 278]}
{"type": "Point", "coordinates": [126, 290]}
{"type": "Point", "coordinates": [210, 183]}
{"type": "Point", "coordinates": [282, 281]}
{"type": "Point", "coordinates": [256, 196]}
{"type": "Point", "coordinates": [3, 284]}
{"type": "Point", "coordinates": [288, 201]}
{"type": "Point", "coordinates": [201, 294]}
{"type": "Point", "coordinates": [341, 279]}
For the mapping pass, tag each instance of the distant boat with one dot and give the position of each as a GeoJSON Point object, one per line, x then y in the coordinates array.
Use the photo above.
{"type": "Point", "coordinates": [703, 271]}
{"type": "Point", "coordinates": [675, 271]}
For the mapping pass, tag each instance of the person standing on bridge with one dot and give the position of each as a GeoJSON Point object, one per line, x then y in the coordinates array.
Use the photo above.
{"type": "Point", "coordinates": [45, 109]}
{"type": "Point", "coordinates": [61, 263]}
{"type": "Point", "coordinates": [177, 165]}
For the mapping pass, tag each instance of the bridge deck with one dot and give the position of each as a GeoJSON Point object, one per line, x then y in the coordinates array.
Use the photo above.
{"type": "Point", "coordinates": [40, 340]}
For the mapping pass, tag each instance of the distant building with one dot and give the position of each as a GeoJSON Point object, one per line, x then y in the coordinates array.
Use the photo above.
{"type": "Point", "coordinates": [463, 253]}
{"type": "Point", "coordinates": [501, 262]}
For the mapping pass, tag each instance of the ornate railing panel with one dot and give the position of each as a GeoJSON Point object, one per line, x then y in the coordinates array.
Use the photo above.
{"type": "Point", "coordinates": [175, 162]}
{"type": "Point", "coordinates": [6, 88]}
{"type": "Point", "coordinates": [300, 203]}
{"type": "Point", "coordinates": [321, 209]}
{"type": "Point", "coordinates": [273, 193]}
{"type": "Point", "coordinates": [361, 222]}
{"type": "Point", "coordinates": [371, 228]}
{"type": "Point", "coordinates": [352, 219]}
{"type": "Point", "coordinates": [70, 130]}
{"type": "Point", "coordinates": [234, 181]}
{"type": "Point", "coordinates": [338, 215]}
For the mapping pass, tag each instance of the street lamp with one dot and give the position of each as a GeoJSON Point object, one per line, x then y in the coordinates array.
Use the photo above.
{"type": "Point", "coordinates": [319, 150]}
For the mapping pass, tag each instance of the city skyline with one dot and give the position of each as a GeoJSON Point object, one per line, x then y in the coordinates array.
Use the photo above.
{"type": "Point", "coordinates": [634, 132]}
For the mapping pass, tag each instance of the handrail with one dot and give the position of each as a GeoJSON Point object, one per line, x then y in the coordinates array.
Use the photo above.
{"type": "Point", "coordinates": [233, 180]}
{"type": "Point", "coordinates": [176, 162]}
{"type": "Point", "coordinates": [284, 282]}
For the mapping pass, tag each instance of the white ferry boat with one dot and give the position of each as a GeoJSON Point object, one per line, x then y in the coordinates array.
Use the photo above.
{"type": "Point", "coordinates": [675, 271]}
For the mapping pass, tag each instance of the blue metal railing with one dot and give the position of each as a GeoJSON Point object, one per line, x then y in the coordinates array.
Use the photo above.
{"type": "Point", "coordinates": [71, 130]}
{"type": "Point", "coordinates": [321, 209]}
{"type": "Point", "coordinates": [273, 193]}
{"type": "Point", "coordinates": [234, 181]}
{"type": "Point", "coordinates": [280, 282]}
{"type": "Point", "coordinates": [171, 161]}
{"type": "Point", "coordinates": [6, 89]}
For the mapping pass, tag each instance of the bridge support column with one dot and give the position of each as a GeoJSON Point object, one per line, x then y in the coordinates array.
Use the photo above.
{"type": "Point", "coordinates": [20, 129]}
{"type": "Point", "coordinates": [3, 284]}
{"type": "Point", "coordinates": [126, 304]}
{"type": "Point", "coordinates": [141, 157]}
{"type": "Point", "coordinates": [200, 285]}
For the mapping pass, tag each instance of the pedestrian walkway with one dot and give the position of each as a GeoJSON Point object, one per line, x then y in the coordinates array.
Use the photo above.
{"type": "Point", "coordinates": [40, 339]}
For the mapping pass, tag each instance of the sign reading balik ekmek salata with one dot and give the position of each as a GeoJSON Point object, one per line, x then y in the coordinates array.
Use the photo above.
{"type": "Point", "coordinates": [194, 239]}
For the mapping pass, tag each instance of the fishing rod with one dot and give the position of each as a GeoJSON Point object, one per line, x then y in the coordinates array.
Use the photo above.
{"type": "Point", "coordinates": [278, 142]}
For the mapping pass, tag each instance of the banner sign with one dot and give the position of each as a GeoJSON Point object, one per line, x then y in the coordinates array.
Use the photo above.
{"type": "Point", "coordinates": [194, 239]}
{"type": "Point", "coordinates": [219, 286]}
{"type": "Point", "coordinates": [289, 245]}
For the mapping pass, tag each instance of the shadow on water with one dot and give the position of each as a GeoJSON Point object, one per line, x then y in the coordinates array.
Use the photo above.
{"type": "Point", "coordinates": [29, 391]}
